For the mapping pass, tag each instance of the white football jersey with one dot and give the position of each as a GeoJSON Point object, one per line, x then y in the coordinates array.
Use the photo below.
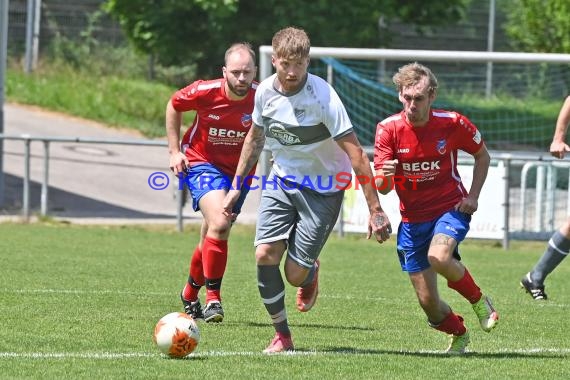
{"type": "Point", "coordinates": [300, 131]}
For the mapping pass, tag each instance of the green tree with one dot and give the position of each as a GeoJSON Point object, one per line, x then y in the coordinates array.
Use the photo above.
{"type": "Point", "coordinates": [178, 32]}
{"type": "Point", "coordinates": [173, 32]}
{"type": "Point", "coordinates": [539, 25]}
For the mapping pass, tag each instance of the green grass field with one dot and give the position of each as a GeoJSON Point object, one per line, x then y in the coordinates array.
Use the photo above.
{"type": "Point", "coordinates": [81, 302]}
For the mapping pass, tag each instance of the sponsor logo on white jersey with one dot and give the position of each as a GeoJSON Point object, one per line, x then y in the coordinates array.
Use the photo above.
{"type": "Point", "coordinates": [282, 135]}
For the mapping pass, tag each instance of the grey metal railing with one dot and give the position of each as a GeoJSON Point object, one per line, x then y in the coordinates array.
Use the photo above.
{"type": "Point", "coordinates": [510, 160]}
{"type": "Point", "coordinates": [46, 141]}
{"type": "Point", "coordinates": [544, 194]}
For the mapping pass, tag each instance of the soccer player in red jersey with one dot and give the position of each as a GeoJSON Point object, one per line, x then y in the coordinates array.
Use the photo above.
{"type": "Point", "coordinates": [420, 144]}
{"type": "Point", "coordinates": [208, 156]}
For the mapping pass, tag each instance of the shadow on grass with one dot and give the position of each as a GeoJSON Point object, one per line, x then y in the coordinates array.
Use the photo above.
{"type": "Point", "coordinates": [514, 354]}
{"type": "Point", "coordinates": [344, 350]}
{"type": "Point", "coordinates": [311, 326]}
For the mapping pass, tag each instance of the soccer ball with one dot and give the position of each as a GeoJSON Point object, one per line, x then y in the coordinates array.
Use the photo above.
{"type": "Point", "coordinates": [176, 335]}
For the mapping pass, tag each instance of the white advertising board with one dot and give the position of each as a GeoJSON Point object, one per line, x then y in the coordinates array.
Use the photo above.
{"type": "Point", "coordinates": [488, 221]}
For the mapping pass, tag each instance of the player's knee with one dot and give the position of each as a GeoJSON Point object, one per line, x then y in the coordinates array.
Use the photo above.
{"type": "Point", "coordinates": [294, 273]}
{"type": "Point", "coordinates": [295, 278]}
{"type": "Point", "coordinates": [565, 228]}
{"type": "Point", "coordinates": [220, 226]}
{"type": "Point", "coordinates": [268, 254]}
{"type": "Point", "coordinates": [437, 262]}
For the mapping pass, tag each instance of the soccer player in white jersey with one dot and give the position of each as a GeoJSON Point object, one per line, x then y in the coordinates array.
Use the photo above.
{"type": "Point", "coordinates": [304, 124]}
{"type": "Point", "coordinates": [416, 154]}
{"type": "Point", "coordinates": [559, 244]}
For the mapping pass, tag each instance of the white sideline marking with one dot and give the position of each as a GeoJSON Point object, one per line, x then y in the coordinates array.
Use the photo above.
{"type": "Point", "coordinates": [130, 355]}
{"type": "Point", "coordinates": [139, 293]}
{"type": "Point", "coordinates": [74, 355]}
{"type": "Point", "coordinates": [80, 291]}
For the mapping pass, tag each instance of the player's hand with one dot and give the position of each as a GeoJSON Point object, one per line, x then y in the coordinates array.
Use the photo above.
{"type": "Point", "coordinates": [558, 149]}
{"type": "Point", "coordinates": [229, 202]}
{"type": "Point", "coordinates": [380, 226]}
{"type": "Point", "coordinates": [467, 205]}
{"type": "Point", "coordinates": [178, 162]}
{"type": "Point", "coordinates": [389, 167]}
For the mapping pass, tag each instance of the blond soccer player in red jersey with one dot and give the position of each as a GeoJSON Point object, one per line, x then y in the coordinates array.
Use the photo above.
{"type": "Point", "coordinates": [420, 145]}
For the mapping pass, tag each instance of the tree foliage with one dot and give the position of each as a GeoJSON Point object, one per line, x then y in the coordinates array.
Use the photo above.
{"type": "Point", "coordinates": [177, 32]}
{"type": "Point", "coordinates": [539, 25]}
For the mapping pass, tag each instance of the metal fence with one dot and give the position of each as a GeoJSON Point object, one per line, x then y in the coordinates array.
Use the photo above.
{"type": "Point", "coordinates": [46, 141]}
{"type": "Point", "coordinates": [535, 187]}
{"type": "Point", "coordinates": [59, 17]}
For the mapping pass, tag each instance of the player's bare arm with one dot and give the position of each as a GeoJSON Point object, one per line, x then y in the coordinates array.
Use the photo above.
{"type": "Point", "coordinates": [558, 147]}
{"type": "Point", "coordinates": [178, 161]}
{"type": "Point", "coordinates": [470, 203]}
{"type": "Point", "coordinates": [379, 224]}
{"type": "Point", "coordinates": [384, 179]}
{"type": "Point", "coordinates": [250, 152]}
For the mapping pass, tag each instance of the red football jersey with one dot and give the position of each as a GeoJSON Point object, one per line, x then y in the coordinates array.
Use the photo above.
{"type": "Point", "coordinates": [220, 126]}
{"type": "Point", "coordinates": [426, 180]}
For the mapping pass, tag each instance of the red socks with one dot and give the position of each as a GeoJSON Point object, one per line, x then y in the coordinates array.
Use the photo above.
{"type": "Point", "coordinates": [467, 287]}
{"type": "Point", "coordinates": [207, 267]}
{"type": "Point", "coordinates": [196, 277]}
{"type": "Point", "coordinates": [452, 324]}
{"type": "Point", "coordinates": [215, 258]}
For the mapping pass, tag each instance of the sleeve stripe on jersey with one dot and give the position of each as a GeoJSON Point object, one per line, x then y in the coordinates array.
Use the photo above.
{"type": "Point", "coordinates": [451, 115]}
{"type": "Point", "coordinates": [208, 86]}
{"type": "Point", "coordinates": [391, 118]}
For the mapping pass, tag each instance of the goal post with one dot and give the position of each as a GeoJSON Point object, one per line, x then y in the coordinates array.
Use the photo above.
{"type": "Point", "coordinates": [417, 55]}
{"type": "Point", "coordinates": [514, 105]}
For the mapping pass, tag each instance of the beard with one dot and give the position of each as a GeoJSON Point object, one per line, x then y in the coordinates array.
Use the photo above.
{"type": "Point", "coordinates": [239, 91]}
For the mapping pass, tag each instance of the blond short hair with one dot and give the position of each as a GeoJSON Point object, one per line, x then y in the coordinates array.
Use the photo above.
{"type": "Point", "coordinates": [411, 74]}
{"type": "Point", "coordinates": [291, 42]}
